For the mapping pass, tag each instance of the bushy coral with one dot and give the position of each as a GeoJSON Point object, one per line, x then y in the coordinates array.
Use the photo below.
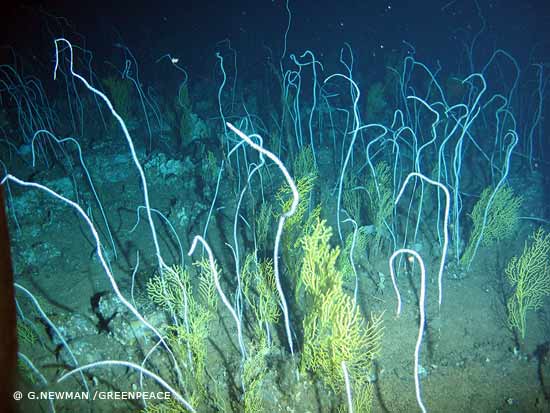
{"type": "Point", "coordinates": [363, 238]}
{"type": "Point", "coordinates": [120, 93]}
{"type": "Point", "coordinates": [192, 315]}
{"type": "Point", "coordinates": [380, 203]}
{"type": "Point", "coordinates": [304, 164]}
{"type": "Point", "coordinates": [494, 218]}
{"type": "Point", "coordinates": [259, 291]}
{"type": "Point", "coordinates": [529, 275]}
{"type": "Point", "coordinates": [334, 328]}
{"type": "Point", "coordinates": [297, 224]}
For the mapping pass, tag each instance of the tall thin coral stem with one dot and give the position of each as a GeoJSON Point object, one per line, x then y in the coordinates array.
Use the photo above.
{"type": "Point", "coordinates": [445, 224]}
{"type": "Point", "coordinates": [421, 304]}
{"type": "Point", "coordinates": [282, 219]}
{"type": "Point", "coordinates": [215, 275]}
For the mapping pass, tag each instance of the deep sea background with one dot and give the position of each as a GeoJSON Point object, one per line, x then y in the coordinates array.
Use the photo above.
{"type": "Point", "coordinates": [471, 359]}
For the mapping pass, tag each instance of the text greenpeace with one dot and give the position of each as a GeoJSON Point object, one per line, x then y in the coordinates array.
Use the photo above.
{"type": "Point", "coordinates": [98, 395]}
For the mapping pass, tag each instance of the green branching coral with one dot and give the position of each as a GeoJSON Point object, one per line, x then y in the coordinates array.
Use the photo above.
{"type": "Point", "coordinates": [26, 334]}
{"type": "Point", "coordinates": [339, 333]}
{"type": "Point", "coordinates": [351, 197]}
{"type": "Point", "coordinates": [376, 101]}
{"type": "Point", "coordinates": [306, 176]}
{"type": "Point", "coordinates": [304, 164]}
{"type": "Point", "coordinates": [529, 275]}
{"type": "Point", "coordinates": [318, 273]}
{"type": "Point", "coordinates": [380, 191]}
{"type": "Point", "coordinates": [263, 222]}
{"type": "Point", "coordinates": [380, 203]}
{"type": "Point", "coordinates": [120, 93]}
{"type": "Point", "coordinates": [209, 171]}
{"type": "Point", "coordinates": [284, 196]}
{"type": "Point", "coordinates": [193, 313]}
{"type": "Point", "coordinates": [334, 328]}
{"type": "Point", "coordinates": [362, 396]}
{"type": "Point", "coordinates": [168, 406]}
{"type": "Point", "coordinates": [168, 291]}
{"type": "Point", "coordinates": [363, 237]}
{"type": "Point", "coordinates": [254, 372]}
{"type": "Point", "coordinates": [297, 224]}
{"type": "Point", "coordinates": [500, 223]}
{"type": "Point", "coordinates": [259, 291]}
{"type": "Point", "coordinates": [206, 286]}
{"type": "Point", "coordinates": [27, 339]}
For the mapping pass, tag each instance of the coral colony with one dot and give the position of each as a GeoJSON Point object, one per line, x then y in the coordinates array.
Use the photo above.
{"type": "Point", "coordinates": [224, 242]}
